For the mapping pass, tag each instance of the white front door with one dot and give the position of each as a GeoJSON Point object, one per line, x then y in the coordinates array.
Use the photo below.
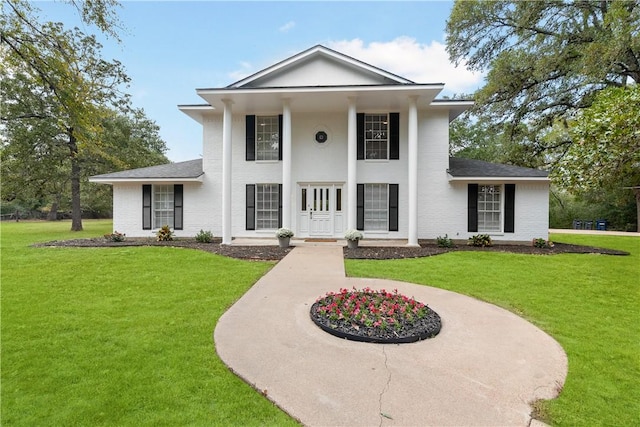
{"type": "Point", "coordinates": [320, 205]}
{"type": "Point", "coordinates": [320, 211]}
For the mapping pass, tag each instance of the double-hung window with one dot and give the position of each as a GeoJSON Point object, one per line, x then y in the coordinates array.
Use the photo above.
{"type": "Point", "coordinates": [267, 204]}
{"type": "Point", "coordinates": [376, 139]}
{"type": "Point", "coordinates": [376, 207]}
{"type": "Point", "coordinates": [163, 199]}
{"type": "Point", "coordinates": [267, 137]}
{"type": "Point", "coordinates": [489, 208]}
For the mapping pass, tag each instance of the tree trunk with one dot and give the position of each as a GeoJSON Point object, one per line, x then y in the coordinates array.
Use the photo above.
{"type": "Point", "coordinates": [53, 213]}
{"type": "Point", "coordinates": [636, 191]}
{"type": "Point", "coordinates": [76, 210]}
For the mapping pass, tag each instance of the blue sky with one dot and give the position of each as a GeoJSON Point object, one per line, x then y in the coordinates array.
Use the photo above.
{"type": "Point", "coordinates": [171, 48]}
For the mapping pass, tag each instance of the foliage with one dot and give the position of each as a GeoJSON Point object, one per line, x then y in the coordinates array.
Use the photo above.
{"type": "Point", "coordinates": [284, 233]}
{"type": "Point", "coordinates": [164, 234]}
{"type": "Point", "coordinates": [474, 137]}
{"type": "Point", "coordinates": [481, 240]}
{"type": "Point", "coordinates": [598, 329]}
{"type": "Point", "coordinates": [617, 206]}
{"type": "Point", "coordinates": [115, 237]}
{"type": "Point", "coordinates": [353, 235]}
{"type": "Point", "coordinates": [83, 346]}
{"type": "Point", "coordinates": [204, 236]}
{"type": "Point", "coordinates": [371, 308]}
{"type": "Point", "coordinates": [606, 155]}
{"type": "Point", "coordinates": [58, 76]}
{"type": "Point", "coordinates": [545, 62]}
{"type": "Point", "coordinates": [444, 242]}
{"type": "Point", "coordinates": [542, 243]}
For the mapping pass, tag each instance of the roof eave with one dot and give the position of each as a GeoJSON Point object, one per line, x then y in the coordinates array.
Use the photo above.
{"type": "Point", "coordinates": [315, 50]}
{"type": "Point", "coordinates": [196, 112]}
{"type": "Point", "coordinates": [496, 178]}
{"type": "Point", "coordinates": [112, 181]}
{"type": "Point", "coordinates": [455, 107]}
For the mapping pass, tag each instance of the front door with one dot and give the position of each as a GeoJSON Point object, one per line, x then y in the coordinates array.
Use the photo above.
{"type": "Point", "coordinates": [320, 213]}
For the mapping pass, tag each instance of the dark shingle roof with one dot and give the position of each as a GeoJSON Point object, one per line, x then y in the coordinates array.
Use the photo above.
{"type": "Point", "coordinates": [459, 167]}
{"type": "Point", "coordinates": [179, 170]}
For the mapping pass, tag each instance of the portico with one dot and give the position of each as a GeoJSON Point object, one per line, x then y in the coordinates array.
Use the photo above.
{"type": "Point", "coordinates": [406, 99]}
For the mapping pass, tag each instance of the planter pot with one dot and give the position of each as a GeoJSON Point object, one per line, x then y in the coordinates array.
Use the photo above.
{"type": "Point", "coordinates": [352, 244]}
{"type": "Point", "coordinates": [283, 242]}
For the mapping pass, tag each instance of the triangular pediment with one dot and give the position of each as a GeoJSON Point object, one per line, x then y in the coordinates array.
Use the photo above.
{"type": "Point", "coordinates": [320, 66]}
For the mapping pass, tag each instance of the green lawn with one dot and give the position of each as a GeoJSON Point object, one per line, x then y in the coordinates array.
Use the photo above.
{"type": "Point", "coordinates": [589, 303]}
{"type": "Point", "coordinates": [123, 336]}
{"type": "Point", "coordinates": [119, 336]}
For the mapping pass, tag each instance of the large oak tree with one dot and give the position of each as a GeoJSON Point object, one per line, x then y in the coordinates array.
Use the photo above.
{"type": "Point", "coordinates": [65, 69]}
{"type": "Point", "coordinates": [547, 63]}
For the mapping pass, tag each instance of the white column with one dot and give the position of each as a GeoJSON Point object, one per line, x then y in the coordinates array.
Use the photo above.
{"type": "Point", "coordinates": [412, 158]}
{"type": "Point", "coordinates": [227, 125]}
{"type": "Point", "coordinates": [352, 163]}
{"type": "Point", "coordinates": [286, 163]}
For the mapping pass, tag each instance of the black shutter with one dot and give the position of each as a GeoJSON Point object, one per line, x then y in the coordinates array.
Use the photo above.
{"type": "Point", "coordinates": [360, 208]}
{"type": "Point", "coordinates": [360, 135]}
{"type": "Point", "coordinates": [177, 206]}
{"type": "Point", "coordinates": [280, 137]}
{"type": "Point", "coordinates": [509, 207]}
{"type": "Point", "coordinates": [251, 138]}
{"type": "Point", "coordinates": [394, 136]}
{"type": "Point", "coordinates": [250, 207]}
{"type": "Point", "coordinates": [279, 205]}
{"type": "Point", "coordinates": [393, 207]}
{"type": "Point", "coordinates": [472, 208]}
{"type": "Point", "coordinates": [146, 207]}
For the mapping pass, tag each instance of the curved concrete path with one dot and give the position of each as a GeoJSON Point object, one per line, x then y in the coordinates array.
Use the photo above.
{"type": "Point", "coordinates": [483, 369]}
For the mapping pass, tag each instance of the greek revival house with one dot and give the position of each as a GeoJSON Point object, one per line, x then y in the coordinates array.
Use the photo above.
{"type": "Point", "coordinates": [321, 143]}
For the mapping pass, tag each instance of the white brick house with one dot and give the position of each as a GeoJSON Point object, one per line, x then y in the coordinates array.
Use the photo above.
{"type": "Point", "coordinates": [321, 143]}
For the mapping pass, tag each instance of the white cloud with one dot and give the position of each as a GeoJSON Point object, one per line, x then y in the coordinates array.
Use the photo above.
{"type": "Point", "coordinates": [246, 69]}
{"type": "Point", "coordinates": [286, 27]}
{"type": "Point", "coordinates": [421, 63]}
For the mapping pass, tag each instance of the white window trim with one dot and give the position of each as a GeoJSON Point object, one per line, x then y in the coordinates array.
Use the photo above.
{"type": "Point", "coordinates": [500, 231]}
{"type": "Point", "coordinates": [386, 202]}
{"type": "Point", "coordinates": [257, 133]}
{"type": "Point", "coordinates": [382, 159]}
{"type": "Point", "coordinates": [258, 187]}
{"type": "Point", "coordinates": [155, 225]}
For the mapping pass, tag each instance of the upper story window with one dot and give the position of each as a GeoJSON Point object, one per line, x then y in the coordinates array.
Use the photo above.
{"type": "Point", "coordinates": [376, 138]}
{"type": "Point", "coordinates": [489, 208]}
{"type": "Point", "coordinates": [267, 138]}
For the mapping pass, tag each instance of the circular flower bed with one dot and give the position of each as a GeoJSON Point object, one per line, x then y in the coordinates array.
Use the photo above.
{"type": "Point", "coordinates": [375, 316]}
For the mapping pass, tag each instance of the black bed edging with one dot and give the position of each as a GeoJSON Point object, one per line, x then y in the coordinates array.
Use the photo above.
{"type": "Point", "coordinates": [428, 327]}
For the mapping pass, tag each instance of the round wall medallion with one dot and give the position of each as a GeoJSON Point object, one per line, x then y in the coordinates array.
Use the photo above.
{"type": "Point", "coordinates": [321, 137]}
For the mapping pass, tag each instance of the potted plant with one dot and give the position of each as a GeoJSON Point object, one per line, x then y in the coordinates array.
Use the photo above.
{"type": "Point", "coordinates": [283, 235]}
{"type": "Point", "coordinates": [353, 237]}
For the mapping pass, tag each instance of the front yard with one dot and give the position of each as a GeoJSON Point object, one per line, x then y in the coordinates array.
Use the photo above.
{"type": "Point", "coordinates": [123, 336]}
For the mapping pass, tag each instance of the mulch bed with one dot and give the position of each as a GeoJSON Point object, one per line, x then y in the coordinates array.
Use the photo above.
{"type": "Point", "coordinates": [427, 327]}
{"type": "Point", "coordinates": [275, 253]}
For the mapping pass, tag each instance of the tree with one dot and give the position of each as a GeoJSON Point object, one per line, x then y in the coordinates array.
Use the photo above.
{"type": "Point", "coordinates": [65, 68]}
{"type": "Point", "coordinates": [545, 60]}
{"type": "Point", "coordinates": [606, 153]}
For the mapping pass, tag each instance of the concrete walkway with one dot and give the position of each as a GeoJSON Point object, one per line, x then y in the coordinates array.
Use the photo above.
{"type": "Point", "coordinates": [483, 369]}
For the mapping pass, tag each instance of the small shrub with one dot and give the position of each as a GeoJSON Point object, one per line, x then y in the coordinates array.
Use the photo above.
{"type": "Point", "coordinates": [164, 234]}
{"type": "Point", "coordinates": [115, 237]}
{"type": "Point", "coordinates": [481, 240]}
{"type": "Point", "coordinates": [353, 235]}
{"type": "Point", "coordinates": [444, 242]}
{"type": "Point", "coordinates": [204, 236]}
{"type": "Point", "coordinates": [284, 233]}
{"type": "Point", "coordinates": [542, 243]}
